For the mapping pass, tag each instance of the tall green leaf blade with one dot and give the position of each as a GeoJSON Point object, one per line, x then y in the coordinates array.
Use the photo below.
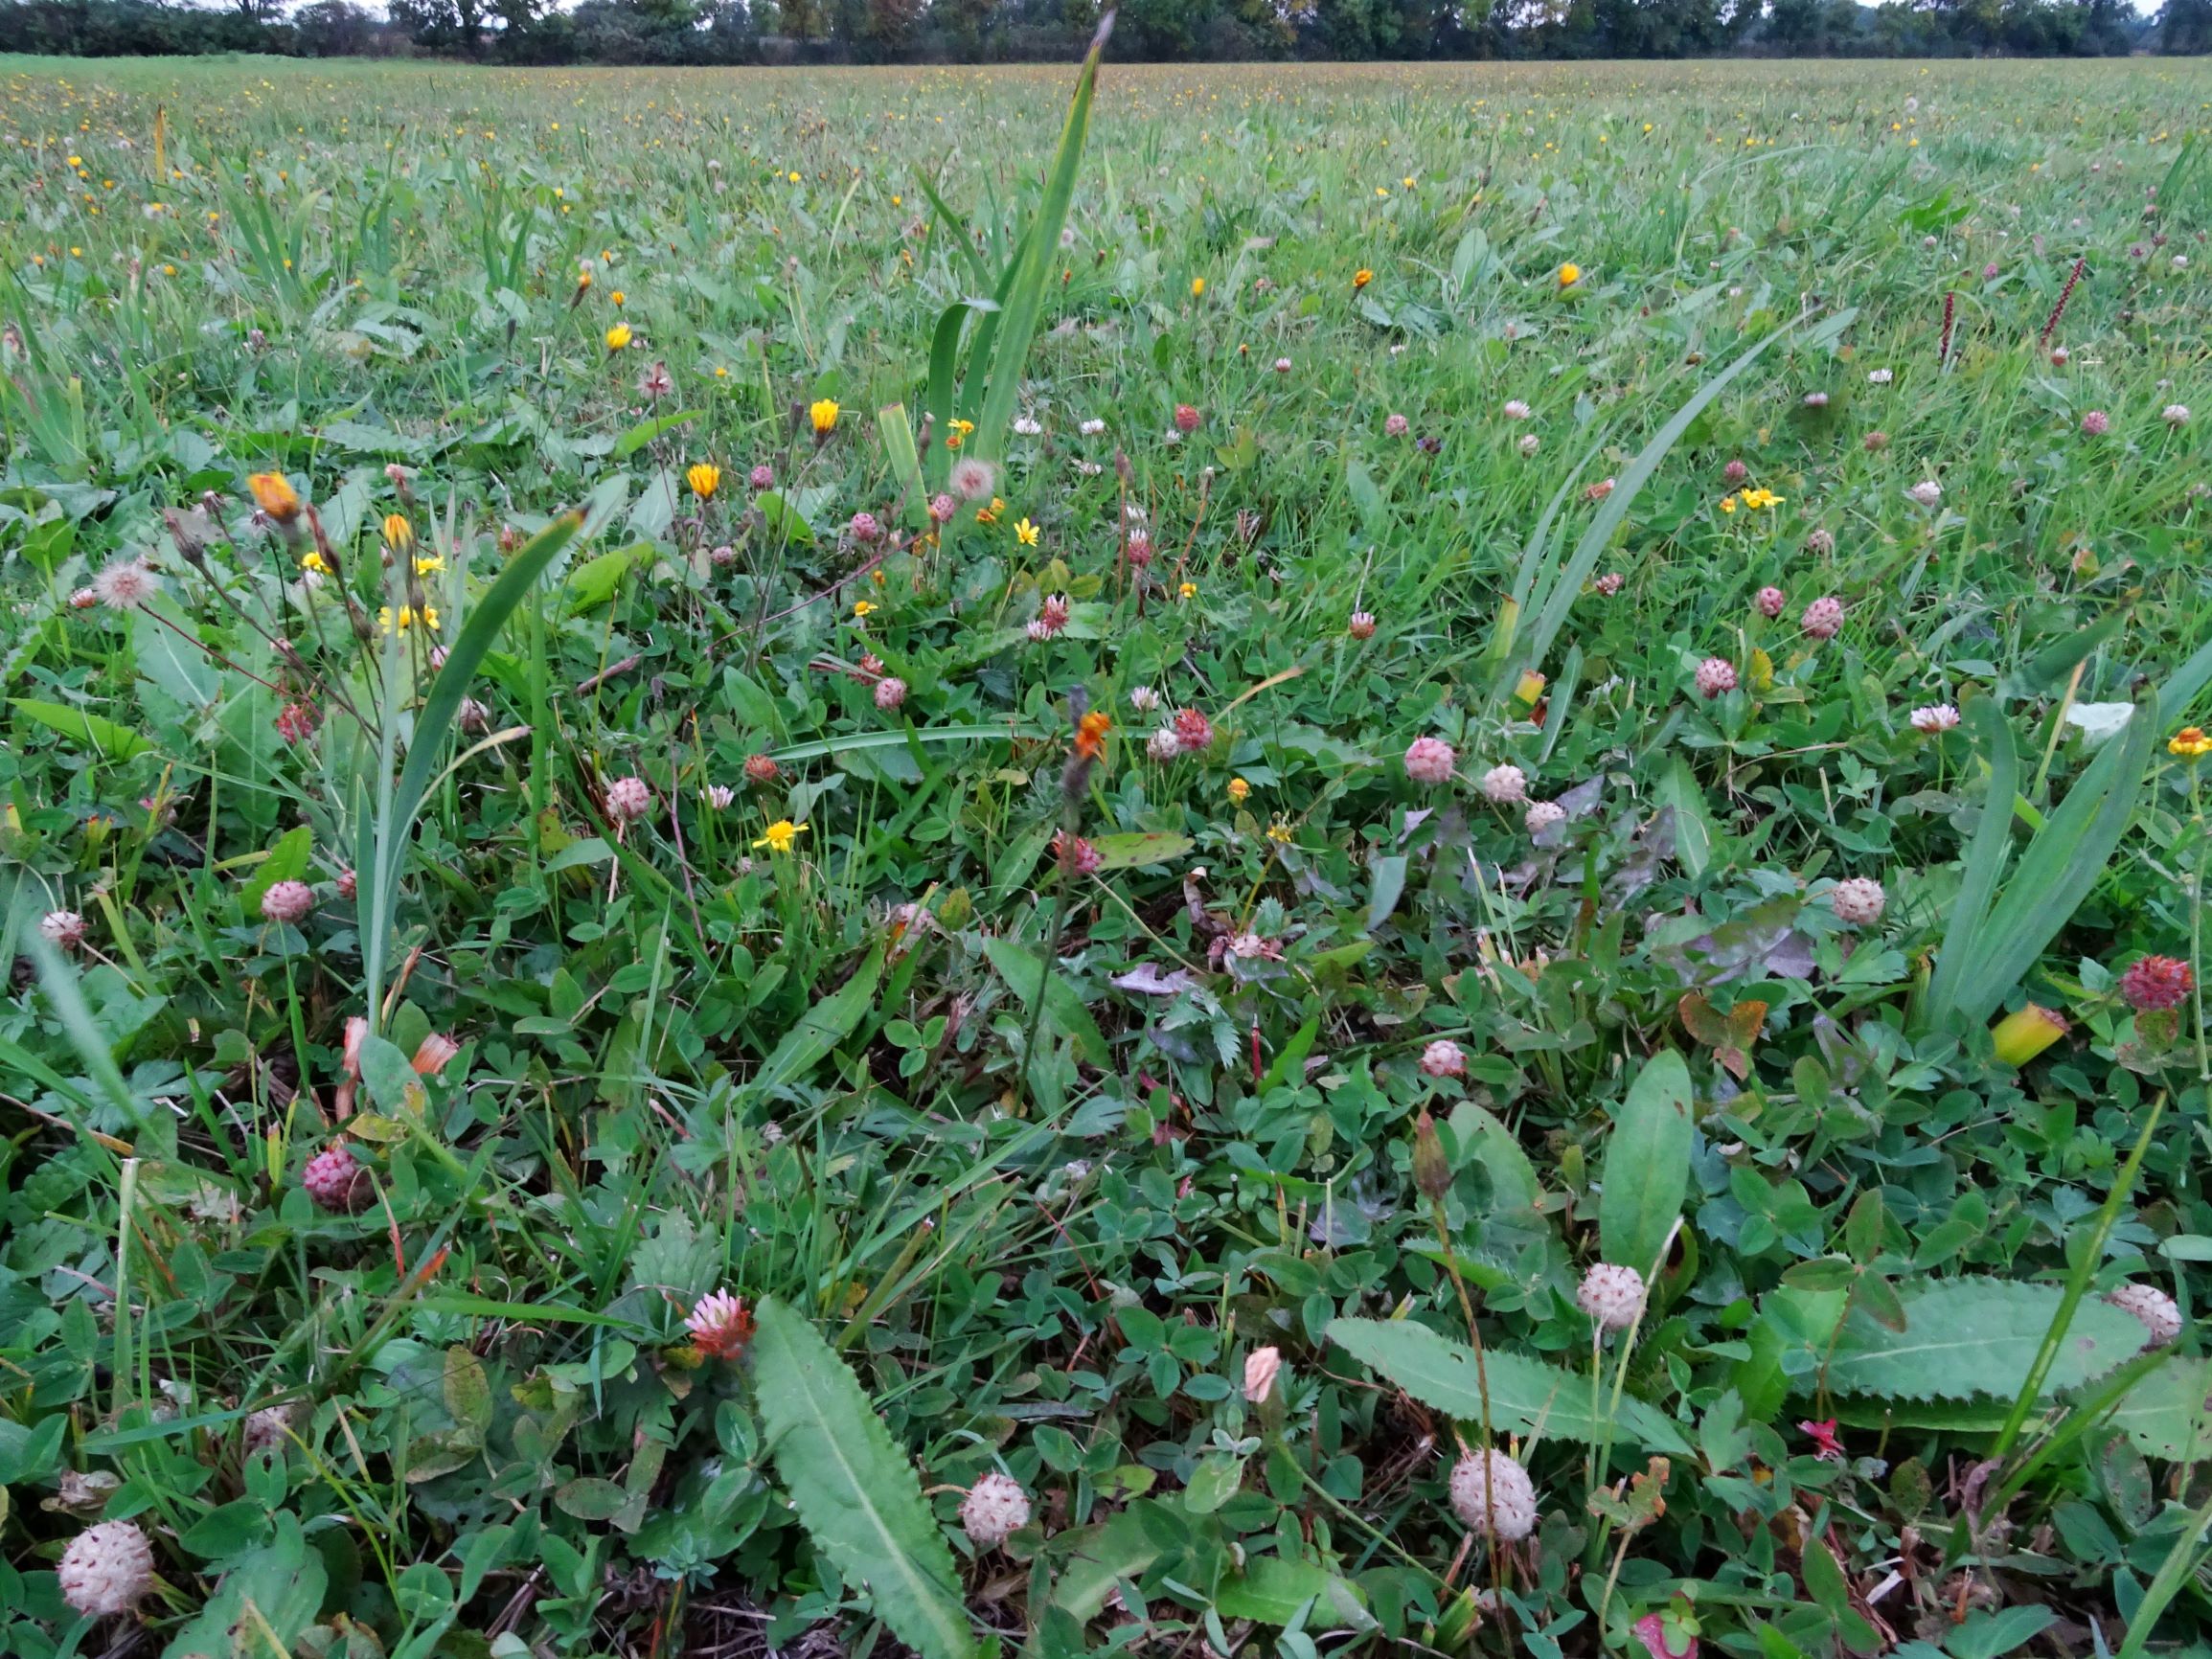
{"type": "Point", "coordinates": [1646, 1164]}
{"type": "Point", "coordinates": [1561, 597]}
{"type": "Point", "coordinates": [1025, 301]}
{"type": "Point", "coordinates": [113, 739]}
{"type": "Point", "coordinates": [2061, 865]}
{"type": "Point", "coordinates": [1021, 970]}
{"type": "Point", "coordinates": [856, 1492]}
{"type": "Point", "coordinates": [1526, 1396]}
{"type": "Point", "coordinates": [1985, 857]}
{"type": "Point", "coordinates": [824, 1026]}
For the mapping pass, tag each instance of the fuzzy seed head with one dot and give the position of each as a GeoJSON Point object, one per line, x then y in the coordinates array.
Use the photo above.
{"type": "Point", "coordinates": [1490, 1489]}
{"type": "Point", "coordinates": [1505, 785]}
{"type": "Point", "coordinates": [2174, 413]}
{"type": "Point", "coordinates": [107, 1569]}
{"type": "Point", "coordinates": [995, 1510]}
{"type": "Point", "coordinates": [971, 479]}
{"type": "Point", "coordinates": [124, 585]}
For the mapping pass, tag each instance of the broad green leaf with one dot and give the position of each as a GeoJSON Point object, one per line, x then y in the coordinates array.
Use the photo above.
{"type": "Point", "coordinates": [2169, 1414]}
{"type": "Point", "coordinates": [596, 581]}
{"type": "Point", "coordinates": [1965, 1338]}
{"type": "Point", "coordinates": [1526, 1396]}
{"type": "Point", "coordinates": [646, 431]}
{"type": "Point", "coordinates": [822, 1027]}
{"type": "Point", "coordinates": [117, 743]}
{"type": "Point", "coordinates": [856, 1492]}
{"type": "Point", "coordinates": [1273, 1590]}
{"type": "Point", "coordinates": [1133, 849]}
{"type": "Point", "coordinates": [1646, 1173]}
{"type": "Point", "coordinates": [287, 861]}
{"type": "Point", "coordinates": [1063, 1010]}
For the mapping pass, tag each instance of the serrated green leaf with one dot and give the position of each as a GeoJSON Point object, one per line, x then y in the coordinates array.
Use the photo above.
{"type": "Point", "coordinates": [2168, 1413]}
{"type": "Point", "coordinates": [1968, 1337]}
{"type": "Point", "coordinates": [855, 1493]}
{"type": "Point", "coordinates": [1526, 1396]}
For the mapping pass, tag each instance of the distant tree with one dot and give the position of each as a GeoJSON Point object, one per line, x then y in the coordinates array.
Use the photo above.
{"type": "Point", "coordinates": [334, 28]}
{"type": "Point", "coordinates": [441, 26]}
{"type": "Point", "coordinates": [2185, 26]}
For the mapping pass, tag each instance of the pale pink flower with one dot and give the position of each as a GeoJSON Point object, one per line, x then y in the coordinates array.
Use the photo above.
{"type": "Point", "coordinates": [2158, 1311]}
{"type": "Point", "coordinates": [1823, 617]}
{"type": "Point", "coordinates": [1933, 717]}
{"type": "Point", "coordinates": [1430, 760]}
{"type": "Point", "coordinates": [1361, 627]}
{"type": "Point", "coordinates": [890, 693]}
{"type": "Point", "coordinates": [1715, 676]}
{"type": "Point", "coordinates": [1395, 425]}
{"type": "Point", "coordinates": [2096, 424]}
{"type": "Point", "coordinates": [720, 1327]}
{"type": "Point", "coordinates": [864, 527]}
{"type": "Point", "coordinates": [1928, 492]}
{"type": "Point", "coordinates": [995, 1510]}
{"type": "Point", "coordinates": [334, 1180]}
{"type": "Point", "coordinates": [1529, 444]}
{"type": "Point", "coordinates": [1516, 410]}
{"type": "Point", "coordinates": [124, 585]}
{"type": "Point", "coordinates": [2174, 413]}
{"type": "Point", "coordinates": [1505, 785]}
{"type": "Point", "coordinates": [1542, 815]}
{"type": "Point", "coordinates": [107, 1569]}
{"type": "Point", "coordinates": [629, 799]}
{"type": "Point", "coordinates": [1857, 900]}
{"type": "Point", "coordinates": [762, 477]}
{"type": "Point", "coordinates": [287, 901]}
{"type": "Point", "coordinates": [718, 796]}
{"type": "Point", "coordinates": [1490, 1492]}
{"type": "Point", "coordinates": [1770, 602]}
{"type": "Point", "coordinates": [1443, 1059]}
{"type": "Point", "coordinates": [64, 929]}
{"type": "Point", "coordinates": [1261, 1366]}
{"type": "Point", "coordinates": [1614, 1297]}
{"type": "Point", "coordinates": [1610, 583]}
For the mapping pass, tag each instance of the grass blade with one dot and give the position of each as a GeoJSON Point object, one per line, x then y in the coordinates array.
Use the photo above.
{"type": "Point", "coordinates": [1985, 857]}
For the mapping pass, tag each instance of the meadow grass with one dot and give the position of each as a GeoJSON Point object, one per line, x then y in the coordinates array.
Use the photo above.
{"type": "Point", "coordinates": [1647, 615]}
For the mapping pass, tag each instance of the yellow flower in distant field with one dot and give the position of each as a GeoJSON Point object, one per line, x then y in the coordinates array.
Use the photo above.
{"type": "Point", "coordinates": [618, 297]}
{"type": "Point", "coordinates": [398, 534]}
{"type": "Point", "coordinates": [1197, 287]}
{"type": "Point", "coordinates": [823, 412]}
{"type": "Point", "coordinates": [618, 336]}
{"type": "Point", "coordinates": [1025, 532]}
{"type": "Point", "coordinates": [1760, 498]}
{"type": "Point", "coordinates": [704, 478]}
{"type": "Point", "coordinates": [781, 836]}
{"type": "Point", "coordinates": [1360, 278]}
{"type": "Point", "coordinates": [274, 496]}
{"type": "Point", "coordinates": [958, 435]}
{"type": "Point", "coordinates": [1570, 274]}
{"type": "Point", "coordinates": [1279, 832]}
{"type": "Point", "coordinates": [314, 561]}
{"type": "Point", "coordinates": [1240, 791]}
{"type": "Point", "coordinates": [863, 608]}
{"type": "Point", "coordinates": [2190, 743]}
{"type": "Point", "coordinates": [1188, 590]}
{"type": "Point", "coordinates": [1727, 504]}
{"type": "Point", "coordinates": [408, 617]}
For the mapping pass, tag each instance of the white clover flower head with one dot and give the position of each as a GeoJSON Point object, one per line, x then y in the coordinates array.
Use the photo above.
{"type": "Point", "coordinates": [1879, 378]}
{"type": "Point", "coordinates": [629, 799]}
{"type": "Point", "coordinates": [2174, 413]}
{"type": "Point", "coordinates": [1857, 900]}
{"type": "Point", "coordinates": [1429, 760]}
{"type": "Point", "coordinates": [1505, 785]}
{"type": "Point", "coordinates": [1517, 410]}
{"type": "Point", "coordinates": [1091, 428]}
{"type": "Point", "coordinates": [107, 1569]}
{"type": "Point", "coordinates": [1928, 492]}
{"type": "Point", "coordinates": [1283, 365]}
{"type": "Point", "coordinates": [1163, 744]}
{"type": "Point", "coordinates": [1715, 676]}
{"type": "Point", "coordinates": [1025, 427]}
{"type": "Point", "coordinates": [1530, 443]}
{"type": "Point", "coordinates": [1443, 1059]}
{"type": "Point", "coordinates": [269, 1430]}
{"type": "Point", "coordinates": [1144, 699]}
{"type": "Point", "coordinates": [2159, 1313]}
{"type": "Point", "coordinates": [1933, 717]}
{"type": "Point", "coordinates": [995, 1510]}
{"type": "Point", "coordinates": [1491, 1492]}
{"type": "Point", "coordinates": [718, 796]}
{"type": "Point", "coordinates": [1542, 815]}
{"type": "Point", "coordinates": [1614, 1297]}
{"type": "Point", "coordinates": [64, 929]}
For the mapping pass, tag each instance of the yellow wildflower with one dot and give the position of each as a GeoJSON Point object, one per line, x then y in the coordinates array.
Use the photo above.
{"type": "Point", "coordinates": [1727, 504]}
{"type": "Point", "coordinates": [618, 336]}
{"type": "Point", "coordinates": [314, 561]}
{"type": "Point", "coordinates": [2190, 743]}
{"type": "Point", "coordinates": [823, 415]}
{"type": "Point", "coordinates": [429, 564]}
{"type": "Point", "coordinates": [1240, 791]}
{"type": "Point", "coordinates": [1570, 274]}
{"type": "Point", "coordinates": [618, 296]}
{"type": "Point", "coordinates": [1360, 278]}
{"type": "Point", "coordinates": [1025, 532]}
{"type": "Point", "coordinates": [398, 534]}
{"type": "Point", "coordinates": [781, 836]}
{"type": "Point", "coordinates": [1188, 590]}
{"type": "Point", "coordinates": [1197, 287]}
{"type": "Point", "coordinates": [990, 514]}
{"type": "Point", "coordinates": [1279, 832]}
{"type": "Point", "coordinates": [407, 618]}
{"type": "Point", "coordinates": [863, 608]}
{"type": "Point", "coordinates": [704, 478]}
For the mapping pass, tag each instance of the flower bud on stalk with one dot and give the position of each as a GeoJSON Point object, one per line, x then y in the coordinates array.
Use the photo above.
{"type": "Point", "coordinates": [1432, 1169]}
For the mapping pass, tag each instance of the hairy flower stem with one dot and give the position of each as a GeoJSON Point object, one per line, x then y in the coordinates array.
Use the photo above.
{"type": "Point", "coordinates": [1071, 826]}
{"type": "Point", "coordinates": [1482, 1388]}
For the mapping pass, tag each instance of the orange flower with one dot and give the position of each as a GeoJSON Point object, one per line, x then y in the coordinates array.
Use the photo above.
{"type": "Point", "coordinates": [1090, 734]}
{"type": "Point", "coordinates": [1360, 278]}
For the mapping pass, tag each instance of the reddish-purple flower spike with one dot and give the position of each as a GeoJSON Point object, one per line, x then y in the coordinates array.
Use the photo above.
{"type": "Point", "coordinates": [2051, 323]}
{"type": "Point", "coordinates": [334, 1180]}
{"type": "Point", "coordinates": [2156, 983]}
{"type": "Point", "coordinates": [1950, 317]}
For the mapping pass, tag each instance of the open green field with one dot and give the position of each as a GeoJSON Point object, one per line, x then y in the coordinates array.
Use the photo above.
{"type": "Point", "coordinates": [1393, 859]}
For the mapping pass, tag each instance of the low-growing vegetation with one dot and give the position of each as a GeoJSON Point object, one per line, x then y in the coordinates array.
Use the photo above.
{"type": "Point", "coordinates": [1392, 859]}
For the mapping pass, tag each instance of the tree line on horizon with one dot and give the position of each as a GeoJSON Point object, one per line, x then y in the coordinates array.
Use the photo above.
{"type": "Point", "coordinates": [773, 32]}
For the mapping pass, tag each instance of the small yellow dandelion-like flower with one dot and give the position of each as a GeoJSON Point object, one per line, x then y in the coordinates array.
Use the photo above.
{"type": "Point", "coordinates": [1570, 274]}
{"type": "Point", "coordinates": [1197, 287]}
{"type": "Point", "coordinates": [1188, 590]}
{"type": "Point", "coordinates": [619, 297]}
{"type": "Point", "coordinates": [1025, 532]}
{"type": "Point", "coordinates": [408, 617]}
{"type": "Point", "coordinates": [1360, 278]}
{"type": "Point", "coordinates": [1727, 504]}
{"type": "Point", "coordinates": [618, 336]}
{"type": "Point", "coordinates": [314, 561]}
{"type": "Point", "coordinates": [398, 534]}
{"type": "Point", "coordinates": [990, 514]}
{"type": "Point", "coordinates": [823, 412]}
{"type": "Point", "coordinates": [274, 496]}
{"type": "Point", "coordinates": [781, 836]}
{"type": "Point", "coordinates": [705, 478]}
{"type": "Point", "coordinates": [1240, 791]}
{"type": "Point", "coordinates": [1279, 832]}
{"type": "Point", "coordinates": [429, 564]}
{"type": "Point", "coordinates": [2190, 743]}
{"type": "Point", "coordinates": [863, 608]}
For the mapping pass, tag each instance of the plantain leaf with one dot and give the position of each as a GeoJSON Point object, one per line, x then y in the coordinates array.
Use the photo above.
{"type": "Point", "coordinates": [822, 1027]}
{"type": "Point", "coordinates": [1526, 1396]}
{"type": "Point", "coordinates": [114, 740]}
{"type": "Point", "coordinates": [1646, 1164]}
{"type": "Point", "coordinates": [1274, 1590]}
{"type": "Point", "coordinates": [856, 1492]}
{"type": "Point", "coordinates": [1063, 1008]}
{"type": "Point", "coordinates": [1985, 857]}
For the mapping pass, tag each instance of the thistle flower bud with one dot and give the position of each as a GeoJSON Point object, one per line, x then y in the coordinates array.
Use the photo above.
{"type": "Point", "coordinates": [1432, 1169]}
